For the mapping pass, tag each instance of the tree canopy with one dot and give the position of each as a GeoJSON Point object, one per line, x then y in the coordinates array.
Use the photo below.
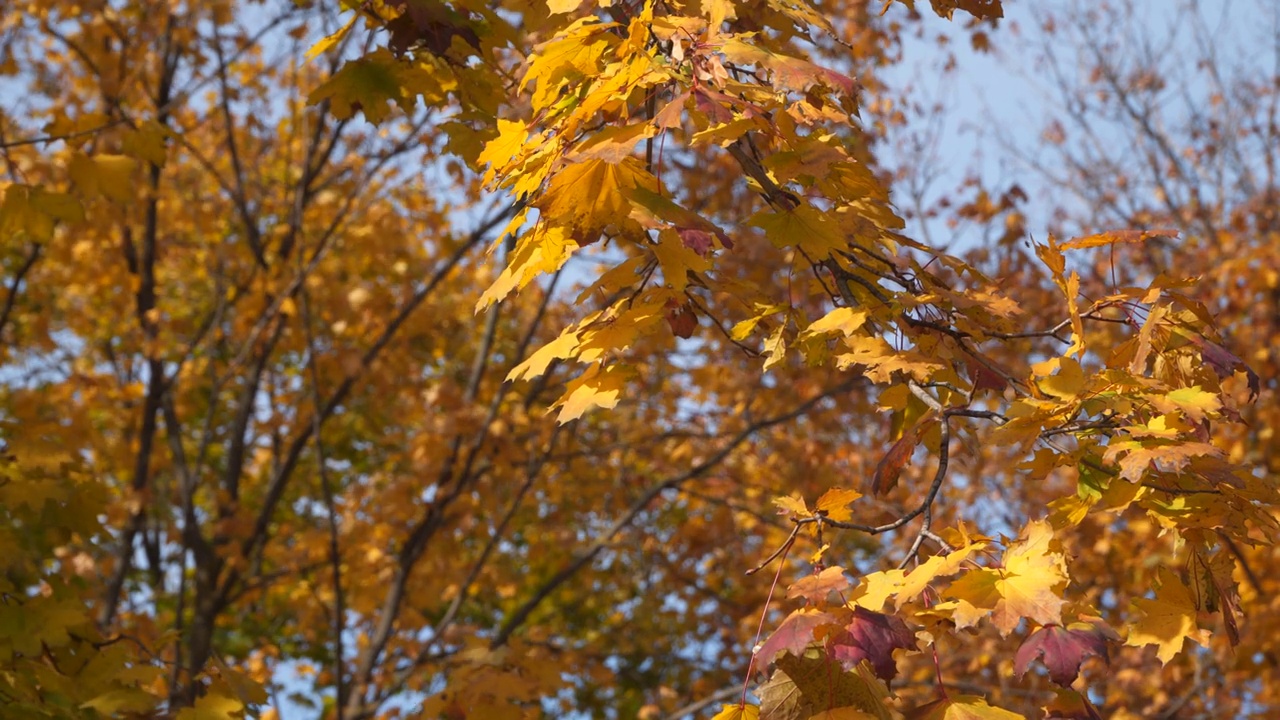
{"type": "Point", "coordinates": [410, 358]}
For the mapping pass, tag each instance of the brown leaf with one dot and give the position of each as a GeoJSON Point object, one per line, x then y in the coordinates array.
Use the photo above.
{"type": "Point", "coordinates": [891, 465]}
{"type": "Point", "coordinates": [816, 588]}
{"type": "Point", "coordinates": [682, 319]}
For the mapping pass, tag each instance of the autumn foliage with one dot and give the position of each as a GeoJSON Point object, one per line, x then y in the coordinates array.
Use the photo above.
{"type": "Point", "coordinates": [407, 358]}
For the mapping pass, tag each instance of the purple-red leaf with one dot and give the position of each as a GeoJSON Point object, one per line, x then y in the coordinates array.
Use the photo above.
{"type": "Point", "coordinates": [1225, 363]}
{"type": "Point", "coordinates": [1061, 649]}
{"type": "Point", "coordinates": [873, 637]}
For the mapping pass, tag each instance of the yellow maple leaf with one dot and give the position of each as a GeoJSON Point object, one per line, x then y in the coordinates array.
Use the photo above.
{"type": "Point", "coordinates": [561, 7]}
{"type": "Point", "coordinates": [835, 503]}
{"type": "Point", "coordinates": [594, 388]}
{"type": "Point", "coordinates": [573, 54]}
{"type": "Point", "coordinates": [915, 582]}
{"type": "Point", "coordinates": [368, 83]}
{"type": "Point", "coordinates": [147, 142]}
{"type": "Point", "coordinates": [329, 41]}
{"type": "Point", "coordinates": [805, 227]}
{"type": "Point", "coordinates": [33, 210]}
{"type": "Point", "coordinates": [1066, 384]}
{"type": "Point", "coordinates": [775, 347]}
{"type": "Point", "coordinates": [1167, 620]}
{"type": "Point", "coordinates": [882, 361]}
{"type": "Point", "coordinates": [678, 260]}
{"type": "Point", "coordinates": [512, 139]}
{"type": "Point", "coordinates": [962, 707]}
{"type": "Point", "coordinates": [875, 589]}
{"type": "Point", "coordinates": [213, 707]}
{"type": "Point", "coordinates": [1027, 586]}
{"type": "Point", "coordinates": [590, 195]}
{"type": "Point", "coordinates": [737, 712]}
{"type": "Point", "coordinates": [1194, 402]}
{"type": "Point", "coordinates": [843, 320]}
{"type": "Point", "coordinates": [544, 249]}
{"type": "Point", "coordinates": [109, 175]}
{"type": "Point", "coordinates": [792, 504]}
{"type": "Point", "coordinates": [620, 327]}
{"type": "Point", "coordinates": [536, 364]}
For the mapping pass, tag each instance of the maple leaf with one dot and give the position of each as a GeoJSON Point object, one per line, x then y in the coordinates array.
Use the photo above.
{"type": "Point", "coordinates": [1139, 456]}
{"type": "Point", "coordinates": [789, 73]}
{"type": "Point", "coordinates": [512, 139]}
{"type": "Point", "coordinates": [1070, 705]}
{"type": "Point", "coordinates": [562, 7]}
{"type": "Point", "coordinates": [816, 588]}
{"type": "Point", "coordinates": [1167, 620]}
{"type": "Point", "coordinates": [793, 505]}
{"type": "Point", "coordinates": [843, 320]}
{"type": "Point", "coordinates": [875, 589]}
{"type": "Point", "coordinates": [682, 318]}
{"type": "Point", "coordinates": [834, 503]}
{"type": "Point", "coordinates": [1194, 402]}
{"type": "Point", "coordinates": [109, 175]}
{"type": "Point", "coordinates": [961, 707]}
{"type": "Point", "coordinates": [1061, 649]}
{"type": "Point", "coordinates": [367, 84]}
{"type": "Point", "coordinates": [873, 637]}
{"type": "Point", "coordinates": [431, 25]}
{"type": "Point", "coordinates": [737, 712]}
{"type": "Point", "coordinates": [1225, 363]}
{"type": "Point", "coordinates": [677, 260]}
{"type": "Point", "coordinates": [914, 583]}
{"type": "Point", "coordinates": [804, 226]}
{"type": "Point", "coordinates": [537, 363]}
{"type": "Point", "coordinates": [34, 211]}
{"type": "Point", "coordinates": [1066, 383]}
{"type": "Point", "coordinates": [595, 388]}
{"type": "Point", "coordinates": [891, 465]}
{"type": "Point", "coordinates": [1215, 589]}
{"type": "Point", "coordinates": [1118, 236]}
{"type": "Point", "coordinates": [802, 687]}
{"type": "Point", "coordinates": [881, 361]}
{"type": "Point", "coordinates": [593, 194]}
{"type": "Point", "coordinates": [652, 209]}
{"type": "Point", "coordinates": [792, 635]}
{"type": "Point", "coordinates": [775, 346]}
{"type": "Point", "coordinates": [573, 54]}
{"type": "Point", "coordinates": [213, 707]}
{"type": "Point", "coordinates": [1028, 586]}
{"type": "Point", "coordinates": [545, 249]}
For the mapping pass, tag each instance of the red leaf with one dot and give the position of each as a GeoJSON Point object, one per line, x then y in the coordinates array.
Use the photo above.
{"type": "Point", "coordinates": [696, 240]}
{"type": "Point", "coordinates": [1061, 649]}
{"type": "Point", "coordinates": [793, 635]}
{"type": "Point", "coordinates": [984, 378]}
{"type": "Point", "coordinates": [873, 637]}
{"type": "Point", "coordinates": [890, 466]}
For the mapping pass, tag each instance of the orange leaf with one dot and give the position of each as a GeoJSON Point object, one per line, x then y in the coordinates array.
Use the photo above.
{"type": "Point", "coordinates": [1117, 236]}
